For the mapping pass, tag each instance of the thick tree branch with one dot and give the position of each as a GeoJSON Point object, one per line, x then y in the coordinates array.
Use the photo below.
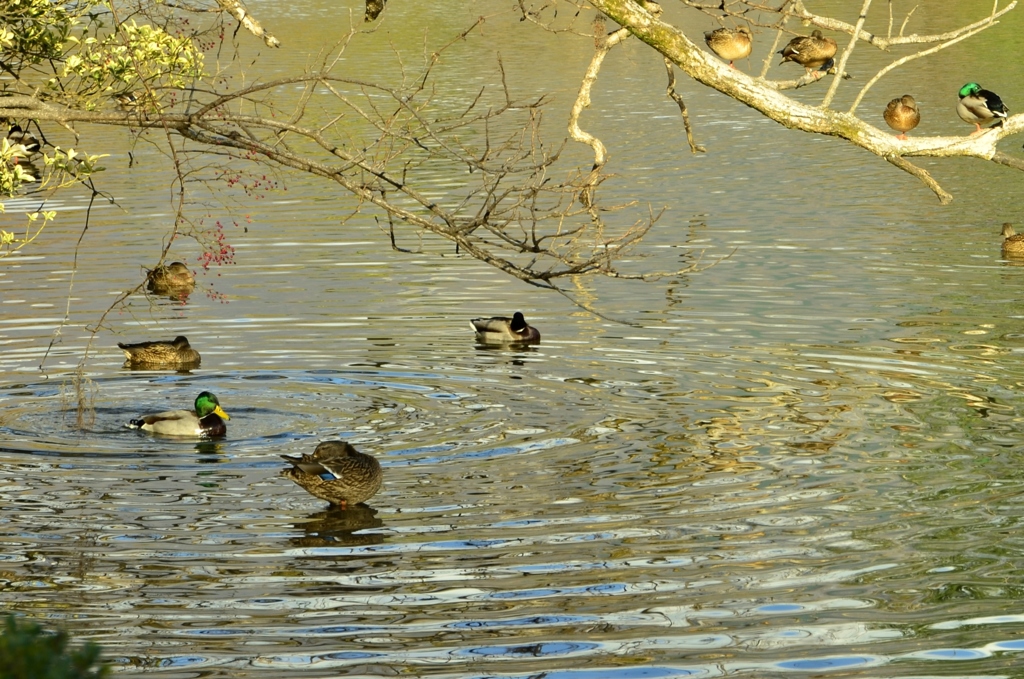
{"type": "Point", "coordinates": [702, 67]}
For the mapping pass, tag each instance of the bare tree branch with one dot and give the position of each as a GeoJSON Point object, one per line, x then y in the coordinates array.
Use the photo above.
{"type": "Point", "coordinates": [676, 97]}
{"type": "Point", "coordinates": [801, 12]}
{"type": "Point", "coordinates": [238, 10]}
{"type": "Point", "coordinates": [602, 45]}
{"type": "Point", "coordinates": [845, 56]}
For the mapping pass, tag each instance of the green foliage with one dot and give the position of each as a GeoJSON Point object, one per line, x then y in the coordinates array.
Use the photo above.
{"type": "Point", "coordinates": [12, 172]}
{"type": "Point", "coordinates": [131, 57]}
{"type": "Point", "coordinates": [29, 652]}
{"type": "Point", "coordinates": [68, 51]}
{"type": "Point", "coordinates": [33, 31]}
{"type": "Point", "coordinates": [63, 168]}
{"type": "Point", "coordinates": [73, 51]}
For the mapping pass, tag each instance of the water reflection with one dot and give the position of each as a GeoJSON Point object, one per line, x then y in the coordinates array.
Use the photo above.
{"type": "Point", "coordinates": [336, 526]}
{"type": "Point", "coordinates": [210, 451]}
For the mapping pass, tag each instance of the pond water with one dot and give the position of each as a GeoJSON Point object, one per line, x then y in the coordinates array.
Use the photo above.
{"type": "Point", "coordinates": [801, 461]}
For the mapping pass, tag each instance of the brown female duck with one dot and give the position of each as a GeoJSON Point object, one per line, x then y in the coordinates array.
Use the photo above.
{"type": "Point", "coordinates": [1013, 242]}
{"type": "Point", "coordinates": [336, 472]}
{"type": "Point", "coordinates": [174, 279]}
{"type": "Point", "coordinates": [730, 44]}
{"type": "Point", "coordinates": [177, 353]}
{"type": "Point", "coordinates": [810, 51]}
{"type": "Point", "coordinates": [902, 115]}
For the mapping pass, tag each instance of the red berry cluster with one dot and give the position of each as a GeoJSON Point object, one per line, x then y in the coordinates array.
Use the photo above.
{"type": "Point", "coordinates": [216, 249]}
{"type": "Point", "coordinates": [253, 185]}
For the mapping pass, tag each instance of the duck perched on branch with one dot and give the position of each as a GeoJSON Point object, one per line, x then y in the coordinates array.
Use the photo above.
{"type": "Point", "coordinates": [730, 44]}
{"type": "Point", "coordinates": [812, 52]}
{"type": "Point", "coordinates": [902, 115]}
{"type": "Point", "coordinates": [977, 106]}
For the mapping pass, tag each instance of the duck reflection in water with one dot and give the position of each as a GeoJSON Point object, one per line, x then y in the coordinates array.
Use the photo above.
{"type": "Point", "coordinates": [336, 526]}
{"type": "Point", "coordinates": [210, 452]}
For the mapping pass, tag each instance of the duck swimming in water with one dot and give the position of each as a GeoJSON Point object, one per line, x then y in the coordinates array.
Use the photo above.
{"type": "Point", "coordinates": [177, 353]}
{"type": "Point", "coordinates": [504, 330]}
{"type": "Point", "coordinates": [174, 279]}
{"type": "Point", "coordinates": [206, 420]}
{"type": "Point", "coordinates": [336, 472]}
{"type": "Point", "coordinates": [1013, 242]}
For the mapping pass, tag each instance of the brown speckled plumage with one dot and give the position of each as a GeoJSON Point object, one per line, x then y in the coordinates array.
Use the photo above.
{"type": "Point", "coordinates": [177, 353]}
{"type": "Point", "coordinates": [174, 279]}
{"type": "Point", "coordinates": [336, 472]}
{"type": "Point", "coordinates": [1013, 242]}
{"type": "Point", "coordinates": [730, 44]}
{"type": "Point", "coordinates": [810, 51]}
{"type": "Point", "coordinates": [902, 115]}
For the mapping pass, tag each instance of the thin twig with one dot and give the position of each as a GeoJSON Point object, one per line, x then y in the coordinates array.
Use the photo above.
{"type": "Point", "coordinates": [903, 60]}
{"type": "Point", "coordinates": [841, 65]}
{"type": "Point", "coordinates": [676, 97]}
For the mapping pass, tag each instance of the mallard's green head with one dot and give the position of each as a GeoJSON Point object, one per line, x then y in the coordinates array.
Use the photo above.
{"type": "Point", "coordinates": [207, 403]}
{"type": "Point", "coordinates": [969, 90]}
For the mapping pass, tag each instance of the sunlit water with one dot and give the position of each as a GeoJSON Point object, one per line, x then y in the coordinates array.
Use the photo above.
{"type": "Point", "coordinates": [802, 461]}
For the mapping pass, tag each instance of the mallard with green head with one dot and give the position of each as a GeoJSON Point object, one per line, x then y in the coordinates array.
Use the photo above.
{"type": "Point", "coordinates": [810, 51]}
{"type": "Point", "coordinates": [504, 330]}
{"type": "Point", "coordinates": [977, 106]}
{"type": "Point", "coordinates": [174, 279]}
{"type": "Point", "coordinates": [902, 115]}
{"type": "Point", "coordinates": [730, 44]}
{"type": "Point", "coordinates": [177, 353]}
{"type": "Point", "coordinates": [336, 472]}
{"type": "Point", "coordinates": [1013, 242]}
{"type": "Point", "coordinates": [206, 420]}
